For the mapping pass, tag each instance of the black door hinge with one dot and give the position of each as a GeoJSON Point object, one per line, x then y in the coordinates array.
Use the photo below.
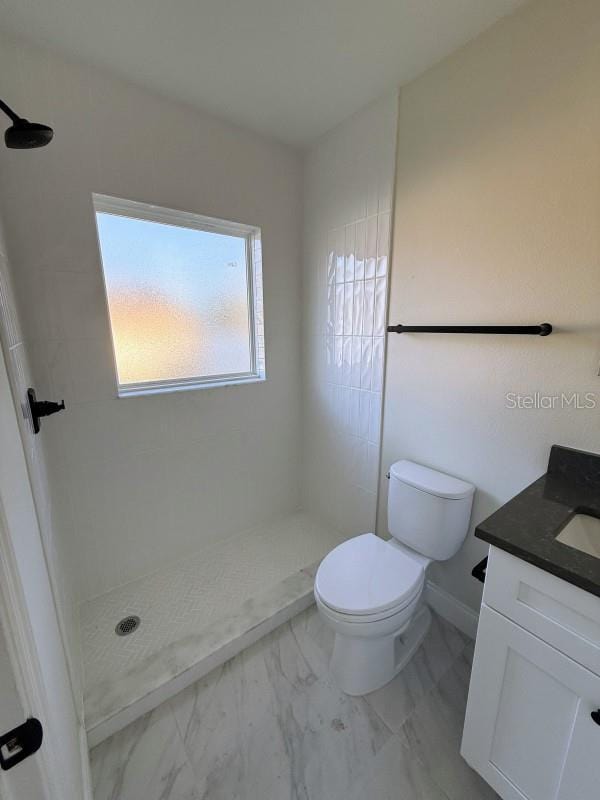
{"type": "Point", "coordinates": [41, 408]}
{"type": "Point", "coordinates": [20, 743]}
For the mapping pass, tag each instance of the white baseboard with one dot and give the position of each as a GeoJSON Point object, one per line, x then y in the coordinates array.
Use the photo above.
{"type": "Point", "coordinates": [85, 764]}
{"type": "Point", "coordinates": [455, 611]}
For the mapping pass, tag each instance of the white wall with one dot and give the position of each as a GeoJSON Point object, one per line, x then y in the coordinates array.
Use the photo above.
{"type": "Point", "coordinates": [13, 713]}
{"type": "Point", "coordinates": [143, 481]}
{"type": "Point", "coordinates": [497, 220]}
{"type": "Point", "coordinates": [36, 576]}
{"type": "Point", "coordinates": [36, 453]}
{"type": "Point", "coordinates": [347, 202]}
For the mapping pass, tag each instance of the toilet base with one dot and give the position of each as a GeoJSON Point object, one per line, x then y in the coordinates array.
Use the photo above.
{"type": "Point", "coordinates": [362, 665]}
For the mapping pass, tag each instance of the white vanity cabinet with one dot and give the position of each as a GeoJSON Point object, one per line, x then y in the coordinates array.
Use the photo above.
{"type": "Point", "coordinates": [529, 729]}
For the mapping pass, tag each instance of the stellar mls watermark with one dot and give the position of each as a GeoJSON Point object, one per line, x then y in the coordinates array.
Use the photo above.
{"type": "Point", "coordinates": [575, 401]}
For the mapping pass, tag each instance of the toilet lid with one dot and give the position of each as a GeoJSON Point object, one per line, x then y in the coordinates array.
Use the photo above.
{"type": "Point", "coordinates": [366, 575]}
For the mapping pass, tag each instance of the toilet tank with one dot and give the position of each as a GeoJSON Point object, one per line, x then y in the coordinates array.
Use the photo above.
{"type": "Point", "coordinates": [428, 510]}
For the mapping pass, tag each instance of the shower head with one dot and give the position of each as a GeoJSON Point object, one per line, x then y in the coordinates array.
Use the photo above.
{"type": "Point", "coordinates": [24, 135]}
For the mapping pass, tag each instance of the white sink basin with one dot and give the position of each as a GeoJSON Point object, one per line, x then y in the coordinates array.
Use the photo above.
{"type": "Point", "coordinates": [582, 533]}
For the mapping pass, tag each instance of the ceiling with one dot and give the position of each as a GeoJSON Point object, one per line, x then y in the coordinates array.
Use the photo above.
{"type": "Point", "coordinates": [291, 69]}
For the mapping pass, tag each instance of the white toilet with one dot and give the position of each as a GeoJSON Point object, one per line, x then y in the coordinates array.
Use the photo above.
{"type": "Point", "coordinates": [369, 590]}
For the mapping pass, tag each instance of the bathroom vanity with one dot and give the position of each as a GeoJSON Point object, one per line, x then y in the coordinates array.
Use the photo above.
{"type": "Point", "coordinates": [532, 727]}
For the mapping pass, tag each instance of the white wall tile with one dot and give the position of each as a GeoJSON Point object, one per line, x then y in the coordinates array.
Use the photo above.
{"type": "Point", "coordinates": [364, 414]}
{"type": "Point", "coordinates": [339, 309]}
{"type": "Point", "coordinates": [377, 372]}
{"type": "Point", "coordinates": [380, 307]}
{"type": "Point", "coordinates": [349, 193]}
{"type": "Point", "coordinates": [91, 369]}
{"type": "Point", "coordinates": [77, 307]}
{"type": "Point", "coordinates": [120, 140]}
{"type": "Point", "coordinates": [372, 194]}
{"type": "Point", "coordinates": [337, 415]}
{"type": "Point", "coordinates": [331, 296]}
{"type": "Point", "coordinates": [366, 373]}
{"type": "Point", "coordinates": [374, 428]}
{"type": "Point", "coordinates": [330, 358]}
{"type": "Point", "coordinates": [358, 314]}
{"type": "Point", "coordinates": [339, 359]}
{"type": "Point", "coordinates": [340, 255]}
{"type": "Point", "coordinates": [369, 308]}
{"type": "Point", "coordinates": [331, 256]}
{"type": "Point", "coordinates": [350, 249]}
{"type": "Point", "coordinates": [354, 412]}
{"type": "Point", "coordinates": [383, 244]}
{"type": "Point", "coordinates": [348, 308]}
{"type": "Point", "coordinates": [361, 249]}
{"type": "Point", "coordinates": [362, 478]}
{"type": "Point", "coordinates": [372, 467]}
{"type": "Point", "coordinates": [11, 333]}
{"type": "Point", "coordinates": [386, 189]}
{"type": "Point", "coordinates": [356, 361]}
{"type": "Point", "coordinates": [371, 248]}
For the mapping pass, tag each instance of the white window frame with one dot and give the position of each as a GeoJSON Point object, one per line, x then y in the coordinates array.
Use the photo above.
{"type": "Point", "coordinates": [133, 209]}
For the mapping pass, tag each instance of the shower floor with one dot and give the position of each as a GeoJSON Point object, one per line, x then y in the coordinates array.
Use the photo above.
{"type": "Point", "coordinates": [195, 615]}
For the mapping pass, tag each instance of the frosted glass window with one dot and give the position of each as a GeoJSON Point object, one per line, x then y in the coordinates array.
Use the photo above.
{"type": "Point", "coordinates": [184, 297]}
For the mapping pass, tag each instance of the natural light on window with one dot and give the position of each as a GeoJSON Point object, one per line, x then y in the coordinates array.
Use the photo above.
{"type": "Point", "coordinates": [184, 296]}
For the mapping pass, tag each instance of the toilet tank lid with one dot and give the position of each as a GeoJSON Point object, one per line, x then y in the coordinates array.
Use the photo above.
{"type": "Point", "coordinates": [431, 481]}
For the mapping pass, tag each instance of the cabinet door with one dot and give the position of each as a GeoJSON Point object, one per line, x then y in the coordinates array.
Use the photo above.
{"type": "Point", "coordinates": [528, 728]}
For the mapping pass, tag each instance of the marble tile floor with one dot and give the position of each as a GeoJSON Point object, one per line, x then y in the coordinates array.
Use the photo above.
{"type": "Point", "coordinates": [271, 724]}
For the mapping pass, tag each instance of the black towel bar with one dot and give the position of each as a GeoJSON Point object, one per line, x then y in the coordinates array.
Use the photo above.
{"type": "Point", "coordinates": [545, 329]}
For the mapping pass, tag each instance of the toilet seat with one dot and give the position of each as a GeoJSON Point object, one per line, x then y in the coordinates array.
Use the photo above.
{"type": "Point", "coordinates": [367, 579]}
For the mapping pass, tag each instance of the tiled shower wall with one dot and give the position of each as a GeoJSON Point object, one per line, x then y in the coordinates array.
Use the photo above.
{"type": "Point", "coordinates": [349, 175]}
{"type": "Point", "coordinates": [145, 481]}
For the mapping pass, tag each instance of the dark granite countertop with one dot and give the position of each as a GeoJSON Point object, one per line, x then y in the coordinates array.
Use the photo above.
{"type": "Point", "coordinates": [528, 524]}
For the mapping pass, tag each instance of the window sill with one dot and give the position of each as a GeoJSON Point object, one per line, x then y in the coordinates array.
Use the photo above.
{"type": "Point", "coordinates": [187, 387]}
